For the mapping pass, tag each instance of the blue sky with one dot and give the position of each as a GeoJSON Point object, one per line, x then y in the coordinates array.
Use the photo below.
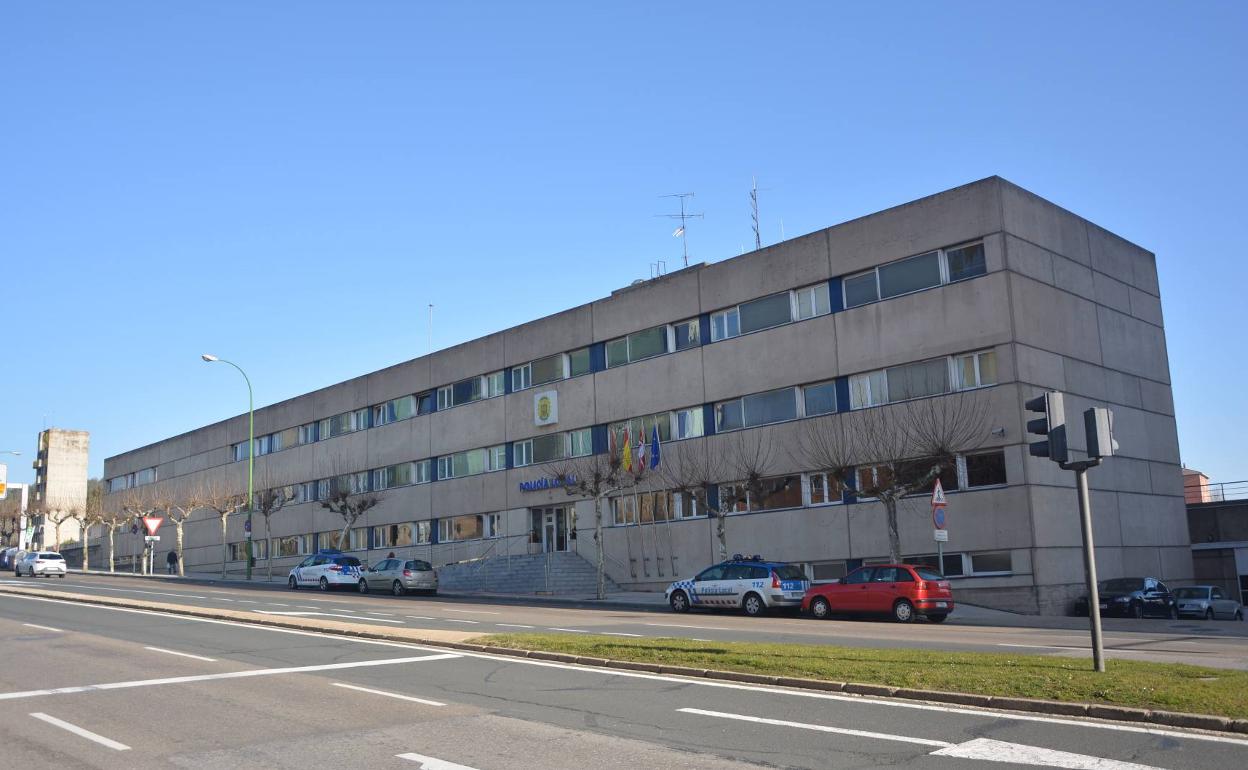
{"type": "Point", "coordinates": [290, 184]}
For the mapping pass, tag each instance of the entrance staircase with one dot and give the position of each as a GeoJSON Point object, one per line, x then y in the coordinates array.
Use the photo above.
{"type": "Point", "coordinates": [559, 573]}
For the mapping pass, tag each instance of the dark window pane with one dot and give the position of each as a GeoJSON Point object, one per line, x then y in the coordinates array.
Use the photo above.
{"type": "Point", "coordinates": [860, 290]}
{"type": "Point", "coordinates": [713, 573]}
{"type": "Point", "coordinates": [861, 575]}
{"type": "Point", "coordinates": [578, 362]}
{"type": "Point", "coordinates": [775, 406]}
{"type": "Point", "coordinates": [783, 492]}
{"type": "Point", "coordinates": [687, 334]}
{"type": "Point", "coordinates": [548, 447]}
{"type": "Point", "coordinates": [953, 564]}
{"type": "Point", "coordinates": [766, 312]}
{"type": "Point", "coordinates": [966, 262]}
{"type": "Point", "coordinates": [820, 399]}
{"type": "Point", "coordinates": [985, 470]}
{"type": "Point", "coordinates": [728, 415]}
{"type": "Point", "coordinates": [465, 391]}
{"type": "Point", "coordinates": [617, 352]}
{"type": "Point", "coordinates": [998, 561]}
{"type": "Point", "coordinates": [426, 403]}
{"type": "Point", "coordinates": [911, 274]}
{"type": "Point", "coordinates": [928, 378]}
{"type": "Point", "coordinates": [547, 369]}
{"type": "Point", "coordinates": [927, 574]}
{"type": "Point", "coordinates": [645, 344]}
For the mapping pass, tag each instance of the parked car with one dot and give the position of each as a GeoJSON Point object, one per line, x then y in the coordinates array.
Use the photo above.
{"type": "Point", "coordinates": [900, 590]}
{"type": "Point", "coordinates": [1206, 602]}
{"type": "Point", "coordinates": [325, 569]}
{"type": "Point", "coordinates": [1132, 597]}
{"type": "Point", "coordinates": [9, 557]}
{"type": "Point", "coordinates": [398, 576]}
{"type": "Point", "coordinates": [36, 563]}
{"type": "Point", "coordinates": [750, 584]}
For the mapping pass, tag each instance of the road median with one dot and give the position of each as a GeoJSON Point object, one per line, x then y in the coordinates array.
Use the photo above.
{"type": "Point", "coordinates": [1148, 693]}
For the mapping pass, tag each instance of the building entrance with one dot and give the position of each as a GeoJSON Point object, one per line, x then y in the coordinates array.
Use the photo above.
{"type": "Point", "coordinates": [550, 528]}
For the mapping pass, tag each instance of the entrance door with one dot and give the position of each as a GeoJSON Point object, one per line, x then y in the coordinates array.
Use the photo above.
{"type": "Point", "coordinates": [553, 524]}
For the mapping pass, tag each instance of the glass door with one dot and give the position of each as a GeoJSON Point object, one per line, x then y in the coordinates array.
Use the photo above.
{"type": "Point", "coordinates": [553, 526]}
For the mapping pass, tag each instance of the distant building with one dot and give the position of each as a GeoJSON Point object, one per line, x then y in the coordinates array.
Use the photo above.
{"type": "Point", "coordinates": [1195, 487]}
{"type": "Point", "coordinates": [60, 484]}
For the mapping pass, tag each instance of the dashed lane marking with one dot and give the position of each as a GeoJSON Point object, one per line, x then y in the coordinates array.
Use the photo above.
{"type": "Point", "coordinates": [568, 630]}
{"type": "Point", "coordinates": [619, 633]}
{"type": "Point", "coordinates": [513, 625]}
{"type": "Point", "coordinates": [181, 654]}
{"type": "Point", "coordinates": [43, 628]}
{"type": "Point", "coordinates": [414, 699]}
{"type": "Point", "coordinates": [286, 613]}
{"type": "Point", "coordinates": [474, 612]}
{"type": "Point", "coordinates": [81, 732]}
{"type": "Point", "coordinates": [432, 763]}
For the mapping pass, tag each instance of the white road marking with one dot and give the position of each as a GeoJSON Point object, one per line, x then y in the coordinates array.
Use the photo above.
{"type": "Point", "coordinates": [431, 763]}
{"type": "Point", "coordinates": [223, 599]}
{"type": "Point", "coordinates": [387, 614]}
{"type": "Point", "coordinates": [699, 640]}
{"type": "Point", "coordinates": [979, 748]}
{"type": "Point", "coordinates": [675, 625]}
{"type": "Point", "coordinates": [307, 606]}
{"type": "Point", "coordinates": [418, 617]}
{"type": "Point", "coordinates": [225, 675]}
{"type": "Point", "coordinates": [896, 703]}
{"type": "Point", "coordinates": [1089, 649]}
{"type": "Point", "coordinates": [619, 633]}
{"type": "Point", "coordinates": [569, 630]}
{"type": "Point", "coordinates": [278, 604]}
{"type": "Point", "coordinates": [246, 601]}
{"type": "Point", "coordinates": [1019, 754]}
{"type": "Point", "coordinates": [459, 620]}
{"type": "Point", "coordinates": [473, 612]}
{"type": "Point", "coordinates": [183, 654]}
{"type": "Point", "coordinates": [327, 615]}
{"type": "Point", "coordinates": [76, 730]}
{"type": "Point", "coordinates": [390, 694]}
{"type": "Point", "coordinates": [132, 591]}
{"type": "Point", "coordinates": [43, 628]}
{"type": "Point", "coordinates": [513, 625]}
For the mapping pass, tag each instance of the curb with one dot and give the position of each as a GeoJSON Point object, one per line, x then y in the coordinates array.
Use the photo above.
{"type": "Point", "coordinates": [1029, 705]}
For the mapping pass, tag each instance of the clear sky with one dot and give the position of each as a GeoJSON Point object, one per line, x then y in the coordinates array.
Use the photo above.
{"type": "Point", "coordinates": [290, 184]}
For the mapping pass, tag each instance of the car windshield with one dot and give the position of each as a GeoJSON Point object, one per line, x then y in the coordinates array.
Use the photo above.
{"type": "Point", "coordinates": [1191, 593]}
{"type": "Point", "coordinates": [928, 574]}
{"type": "Point", "coordinates": [347, 561]}
{"type": "Point", "coordinates": [421, 566]}
{"type": "Point", "coordinates": [1121, 585]}
{"type": "Point", "coordinates": [789, 572]}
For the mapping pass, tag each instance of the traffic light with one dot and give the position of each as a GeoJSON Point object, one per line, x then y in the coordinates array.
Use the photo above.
{"type": "Point", "coordinates": [1098, 424]}
{"type": "Point", "coordinates": [1052, 426]}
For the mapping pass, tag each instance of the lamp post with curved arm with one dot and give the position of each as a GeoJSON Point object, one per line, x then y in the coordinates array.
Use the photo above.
{"type": "Point", "coordinates": [251, 446]}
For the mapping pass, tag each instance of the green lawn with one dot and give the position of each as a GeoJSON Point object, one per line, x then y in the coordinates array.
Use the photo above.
{"type": "Point", "coordinates": [1168, 686]}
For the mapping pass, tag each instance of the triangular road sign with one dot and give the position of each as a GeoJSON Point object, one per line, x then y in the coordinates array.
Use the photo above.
{"type": "Point", "coordinates": [938, 494]}
{"type": "Point", "coordinates": [153, 523]}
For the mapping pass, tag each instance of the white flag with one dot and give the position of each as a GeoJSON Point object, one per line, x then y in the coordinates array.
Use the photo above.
{"type": "Point", "coordinates": [678, 232]}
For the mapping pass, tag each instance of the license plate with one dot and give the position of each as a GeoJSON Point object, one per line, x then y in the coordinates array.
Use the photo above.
{"type": "Point", "coordinates": [942, 604]}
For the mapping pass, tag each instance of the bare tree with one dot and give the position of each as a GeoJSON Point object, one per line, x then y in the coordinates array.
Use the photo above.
{"type": "Point", "coordinates": [8, 527]}
{"type": "Point", "coordinates": [139, 502]}
{"type": "Point", "coordinates": [112, 516]}
{"type": "Point", "coordinates": [597, 477]}
{"type": "Point", "coordinates": [92, 514]}
{"type": "Point", "coordinates": [58, 513]}
{"type": "Point", "coordinates": [349, 498]}
{"type": "Point", "coordinates": [184, 504]}
{"type": "Point", "coordinates": [225, 499]}
{"type": "Point", "coordinates": [898, 450]}
{"type": "Point", "coordinates": [271, 498]}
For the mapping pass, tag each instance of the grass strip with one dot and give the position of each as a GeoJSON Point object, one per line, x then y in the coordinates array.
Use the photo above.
{"type": "Point", "coordinates": [1137, 684]}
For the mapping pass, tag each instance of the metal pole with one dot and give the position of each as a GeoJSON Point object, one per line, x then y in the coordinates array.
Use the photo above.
{"type": "Point", "coordinates": [940, 556]}
{"type": "Point", "coordinates": [1089, 567]}
{"type": "Point", "coordinates": [251, 455]}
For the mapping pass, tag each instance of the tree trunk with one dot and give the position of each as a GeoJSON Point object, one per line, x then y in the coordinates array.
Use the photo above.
{"type": "Point", "coordinates": [225, 548]}
{"type": "Point", "coordinates": [721, 534]}
{"type": "Point", "coordinates": [111, 532]}
{"type": "Point", "coordinates": [56, 533]}
{"type": "Point", "coordinates": [343, 543]}
{"type": "Point", "coordinates": [894, 536]}
{"type": "Point", "coordinates": [86, 548]}
{"type": "Point", "coordinates": [602, 554]}
{"type": "Point", "coordinates": [268, 550]}
{"type": "Point", "coordinates": [177, 526]}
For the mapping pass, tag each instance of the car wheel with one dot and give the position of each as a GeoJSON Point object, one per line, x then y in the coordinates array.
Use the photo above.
{"type": "Point", "coordinates": [819, 608]}
{"type": "Point", "coordinates": [903, 611]}
{"type": "Point", "coordinates": [324, 584]}
{"type": "Point", "coordinates": [1209, 614]}
{"type": "Point", "coordinates": [1137, 610]}
{"type": "Point", "coordinates": [292, 584]}
{"type": "Point", "coordinates": [936, 618]}
{"type": "Point", "coordinates": [61, 576]}
{"type": "Point", "coordinates": [753, 605]}
{"type": "Point", "coordinates": [397, 588]}
{"type": "Point", "coordinates": [679, 601]}
{"type": "Point", "coordinates": [1239, 615]}
{"type": "Point", "coordinates": [1173, 613]}
{"type": "Point", "coordinates": [362, 586]}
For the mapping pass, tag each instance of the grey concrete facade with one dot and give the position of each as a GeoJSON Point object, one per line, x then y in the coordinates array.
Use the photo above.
{"type": "Point", "coordinates": [60, 486]}
{"type": "Point", "coordinates": [1061, 303]}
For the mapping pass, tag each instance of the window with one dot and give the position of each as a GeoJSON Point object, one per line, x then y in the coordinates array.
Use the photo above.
{"type": "Point", "coordinates": [420, 474]}
{"type": "Point", "coordinates": [617, 352]}
{"type": "Point", "coordinates": [522, 453]}
{"type": "Point", "coordinates": [824, 488]}
{"type": "Point", "coordinates": [975, 370]}
{"type": "Point", "coordinates": [579, 362]}
{"type": "Point", "coordinates": [498, 457]}
{"type": "Point", "coordinates": [912, 274]}
{"type": "Point", "coordinates": [393, 535]}
{"type": "Point", "coordinates": [870, 389]}
{"type": "Point", "coordinates": [687, 334]}
{"type": "Point", "coordinates": [395, 410]}
{"type": "Point", "coordinates": [548, 448]}
{"type": "Point", "coordinates": [145, 476]}
{"type": "Point", "coordinates": [910, 471]}
{"type": "Point", "coordinates": [820, 398]}
{"type": "Point", "coordinates": [773, 493]}
{"type": "Point", "coordinates": [642, 428]}
{"type": "Point", "coordinates": [580, 443]}
{"type": "Point", "coordinates": [827, 571]}
{"type": "Point", "coordinates": [287, 439]}
{"type": "Point", "coordinates": [492, 525]}
{"type": "Point", "coordinates": [460, 528]}
{"type": "Point", "coordinates": [654, 506]}
{"type": "Point", "coordinates": [238, 551]}
{"type": "Point", "coordinates": [966, 262]}
{"type": "Point", "coordinates": [926, 378]}
{"type": "Point", "coordinates": [424, 403]}
{"type": "Point", "coordinates": [773, 406]}
{"type": "Point", "coordinates": [117, 484]}
{"type": "Point", "coordinates": [467, 463]}
{"type": "Point", "coordinates": [765, 313]}
{"type": "Point", "coordinates": [728, 416]}
{"type": "Point", "coordinates": [423, 531]}
{"type": "Point", "coordinates": [993, 562]}
{"type": "Point", "coordinates": [953, 564]}
{"type": "Point", "coordinates": [493, 384]}
{"type": "Point", "coordinates": [391, 476]}
{"type": "Point", "coordinates": [292, 545]}
{"type": "Point", "coordinates": [624, 510]}
{"type": "Point", "coordinates": [812, 301]}
{"type": "Point", "coordinates": [307, 433]}
{"type": "Point", "coordinates": [725, 324]}
{"type": "Point", "coordinates": [689, 422]}
{"type": "Point", "coordinates": [240, 451]}
{"type": "Point", "coordinates": [521, 377]}
{"type": "Point", "coordinates": [685, 504]}
{"type": "Point", "coordinates": [986, 469]}
{"type": "Point", "coordinates": [636, 346]}
{"type": "Point", "coordinates": [547, 369]}
{"type": "Point", "coordinates": [861, 289]}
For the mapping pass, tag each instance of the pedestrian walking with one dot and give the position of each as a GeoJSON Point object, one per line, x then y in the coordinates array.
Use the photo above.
{"type": "Point", "coordinates": [171, 561]}
{"type": "Point", "coordinates": [390, 555]}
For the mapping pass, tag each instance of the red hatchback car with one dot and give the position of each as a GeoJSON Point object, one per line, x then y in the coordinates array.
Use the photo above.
{"type": "Point", "coordinates": [900, 590]}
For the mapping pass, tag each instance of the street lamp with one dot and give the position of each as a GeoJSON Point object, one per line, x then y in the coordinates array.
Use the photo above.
{"type": "Point", "coordinates": [13, 452]}
{"type": "Point", "coordinates": [251, 445]}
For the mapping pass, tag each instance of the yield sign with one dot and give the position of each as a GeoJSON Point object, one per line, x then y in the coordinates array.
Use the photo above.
{"type": "Point", "coordinates": [153, 523]}
{"type": "Point", "coordinates": [938, 495]}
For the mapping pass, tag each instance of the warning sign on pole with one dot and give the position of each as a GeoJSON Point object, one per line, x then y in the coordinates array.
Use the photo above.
{"type": "Point", "coordinates": [153, 523]}
{"type": "Point", "coordinates": [938, 494]}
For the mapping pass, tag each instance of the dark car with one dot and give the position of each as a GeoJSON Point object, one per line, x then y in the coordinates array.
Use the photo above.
{"type": "Point", "coordinates": [1132, 597]}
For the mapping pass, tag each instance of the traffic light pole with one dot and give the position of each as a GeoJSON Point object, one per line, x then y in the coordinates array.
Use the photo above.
{"type": "Point", "coordinates": [1089, 557]}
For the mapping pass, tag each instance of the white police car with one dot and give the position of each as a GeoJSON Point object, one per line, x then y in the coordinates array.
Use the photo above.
{"type": "Point", "coordinates": [749, 584]}
{"type": "Point", "coordinates": [326, 569]}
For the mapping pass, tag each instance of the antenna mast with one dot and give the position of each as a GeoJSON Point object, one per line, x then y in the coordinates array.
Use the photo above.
{"type": "Point", "coordinates": [684, 217]}
{"type": "Point", "coordinates": [758, 239]}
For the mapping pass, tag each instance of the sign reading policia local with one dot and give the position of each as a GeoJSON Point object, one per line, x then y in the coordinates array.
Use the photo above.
{"type": "Point", "coordinates": [546, 407]}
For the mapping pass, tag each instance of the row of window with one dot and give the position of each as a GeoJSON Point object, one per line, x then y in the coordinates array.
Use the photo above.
{"type": "Point", "coordinates": [925, 378]}
{"type": "Point", "coordinates": [957, 564]}
{"type": "Point", "coordinates": [131, 480]}
{"type": "Point", "coordinates": [893, 279]}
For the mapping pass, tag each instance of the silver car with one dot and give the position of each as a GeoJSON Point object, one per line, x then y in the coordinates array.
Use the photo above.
{"type": "Point", "coordinates": [36, 563]}
{"type": "Point", "coordinates": [398, 576]}
{"type": "Point", "coordinates": [1206, 602]}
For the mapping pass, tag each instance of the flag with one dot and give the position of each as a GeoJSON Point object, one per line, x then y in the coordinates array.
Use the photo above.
{"type": "Point", "coordinates": [654, 447]}
{"type": "Point", "coordinates": [641, 450]}
{"type": "Point", "coordinates": [626, 459]}
{"type": "Point", "coordinates": [678, 232]}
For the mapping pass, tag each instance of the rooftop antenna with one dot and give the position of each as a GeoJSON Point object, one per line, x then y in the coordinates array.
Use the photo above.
{"type": "Point", "coordinates": [658, 269]}
{"type": "Point", "coordinates": [684, 217]}
{"type": "Point", "coordinates": [430, 328]}
{"type": "Point", "coordinates": [758, 239]}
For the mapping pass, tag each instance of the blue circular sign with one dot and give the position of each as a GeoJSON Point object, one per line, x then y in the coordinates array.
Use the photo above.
{"type": "Point", "coordinates": [938, 516]}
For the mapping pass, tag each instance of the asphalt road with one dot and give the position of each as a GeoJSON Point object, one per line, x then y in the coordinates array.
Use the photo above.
{"type": "Point", "coordinates": [1220, 643]}
{"type": "Point", "coordinates": [90, 686]}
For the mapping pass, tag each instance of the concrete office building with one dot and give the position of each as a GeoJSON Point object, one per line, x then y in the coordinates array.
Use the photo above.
{"type": "Point", "coordinates": [985, 288]}
{"type": "Point", "coordinates": [60, 483]}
